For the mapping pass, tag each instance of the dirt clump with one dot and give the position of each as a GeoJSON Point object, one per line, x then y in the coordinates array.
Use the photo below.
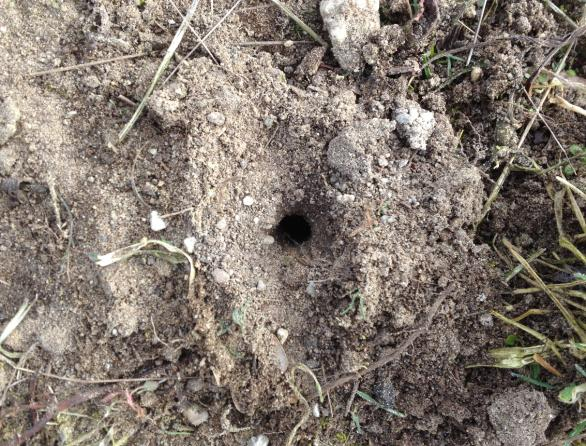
{"type": "Point", "coordinates": [520, 417]}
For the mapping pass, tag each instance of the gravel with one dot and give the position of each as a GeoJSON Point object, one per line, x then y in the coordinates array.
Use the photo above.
{"type": "Point", "coordinates": [216, 118]}
{"type": "Point", "coordinates": [9, 116]}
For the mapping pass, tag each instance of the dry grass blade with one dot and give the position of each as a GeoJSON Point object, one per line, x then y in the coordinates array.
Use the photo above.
{"type": "Point", "coordinates": [571, 186]}
{"type": "Point", "coordinates": [507, 169]}
{"type": "Point", "coordinates": [561, 13]}
{"type": "Point", "coordinates": [162, 67]}
{"type": "Point", "coordinates": [477, 32]}
{"type": "Point", "coordinates": [561, 102]}
{"type": "Point", "coordinates": [307, 413]}
{"type": "Point", "coordinates": [576, 209]}
{"type": "Point", "coordinates": [138, 248]}
{"type": "Point", "coordinates": [567, 314]}
{"type": "Point", "coordinates": [203, 39]}
{"type": "Point", "coordinates": [300, 23]}
{"type": "Point", "coordinates": [11, 326]}
{"type": "Point", "coordinates": [86, 65]}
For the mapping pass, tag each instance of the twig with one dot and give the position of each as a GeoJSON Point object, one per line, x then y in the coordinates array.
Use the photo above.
{"type": "Point", "coordinates": [507, 170]}
{"type": "Point", "coordinates": [285, 43]}
{"type": "Point", "coordinates": [86, 381]}
{"type": "Point", "coordinates": [203, 39]}
{"type": "Point", "coordinates": [88, 64]}
{"type": "Point", "coordinates": [60, 407]}
{"type": "Point", "coordinates": [352, 396]}
{"type": "Point", "coordinates": [162, 67]}
{"type": "Point", "coordinates": [571, 186]}
{"type": "Point", "coordinates": [195, 33]}
{"type": "Point", "coordinates": [561, 13]}
{"type": "Point", "coordinates": [477, 32]}
{"type": "Point", "coordinates": [397, 352]}
{"type": "Point", "coordinates": [300, 23]}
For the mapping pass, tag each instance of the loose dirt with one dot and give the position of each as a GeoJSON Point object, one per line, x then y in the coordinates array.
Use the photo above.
{"type": "Point", "coordinates": [327, 207]}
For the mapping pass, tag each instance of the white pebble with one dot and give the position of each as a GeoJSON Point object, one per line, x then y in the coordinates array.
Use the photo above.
{"type": "Point", "coordinates": [383, 162]}
{"type": "Point", "coordinates": [220, 276]}
{"type": "Point", "coordinates": [282, 334]}
{"type": "Point", "coordinates": [216, 118]}
{"type": "Point", "coordinates": [268, 240]}
{"type": "Point", "coordinates": [311, 289]}
{"type": "Point", "coordinates": [222, 224]}
{"type": "Point", "coordinates": [157, 223]}
{"type": "Point", "coordinates": [345, 198]}
{"type": "Point", "coordinates": [189, 244]}
{"type": "Point", "coordinates": [261, 440]}
{"type": "Point", "coordinates": [486, 320]}
{"type": "Point", "coordinates": [261, 286]}
{"type": "Point", "coordinates": [315, 410]}
{"type": "Point", "coordinates": [248, 201]}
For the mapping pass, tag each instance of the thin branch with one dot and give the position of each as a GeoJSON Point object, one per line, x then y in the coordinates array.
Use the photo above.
{"type": "Point", "coordinates": [88, 64]}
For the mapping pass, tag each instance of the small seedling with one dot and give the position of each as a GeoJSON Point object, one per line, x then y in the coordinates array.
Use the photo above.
{"type": "Point", "coordinates": [356, 300]}
{"type": "Point", "coordinates": [366, 397]}
{"type": "Point", "coordinates": [356, 422]}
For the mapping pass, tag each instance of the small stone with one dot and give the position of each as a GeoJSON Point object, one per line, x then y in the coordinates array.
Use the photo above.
{"type": "Point", "coordinates": [216, 118]}
{"type": "Point", "coordinates": [153, 152]}
{"type": "Point", "coordinates": [261, 440]}
{"type": "Point", "coordinates": [220, 276]}
{"type": "Point", "coordinates": [486, 320]}
{"type": "Point", "coordinates": [189, 244]}
{"type": "Point", "coordinates": [282, 334]}
{"type": "Point", "coordinates": [315, 410]}
{"type": "Point", "coordinates": [248, 201]}
{"type": "Point", "coordinates": [196, 415]}
{"type": "Point", "coordinates": [8, 159]}
{"type": "Point", "coordinates": [9, 116]}
{"type": "Point", "coordinates": [269, 121]}
{"type": "Point", "coordinates": [268, 240]}
{"type": "Point", "coordinates": [92, 81]}
{"type": "Point", "coordinates": [415, 124]}
{"type": "Point", "coordinates": [157, 222]}
{"type": "Point", "coordinates": [222, 224]}
{"type": "Point", "coordinates": [475, 74]}
{"type": "Point", "coordinates": [383, 162]}
{"type": "Point", "coordinates": [261, 286]}
{"type": "Point", "coordinates": [345, 198]}
{"type": "Point", "coordinates": [194, 385]}
{"type": "Point", "coordinates": [311, 289]}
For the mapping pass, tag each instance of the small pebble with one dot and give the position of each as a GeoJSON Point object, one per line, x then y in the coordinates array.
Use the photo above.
{"type": "Point", "coordinates": [345, 198]}
{"type": "Point", "coordinates": [311, 289]}
{"type": "Point", "coordinates": [196, 415]}
{"type": "Point", "coordinates": [475, 74]}
{"type": "Point", "coordinates": [383, 162]}
{"type": "Point", "coordinates": [248, 201]}
{"type": "Point", "coordinates": [189, 244]}
{"type": "Point", "coordinates": [261, 440]}
{"type": "Point", "coordinates": [157, 223]}
{"type": "Point", "coordinates": [315, 410]}
{"type": "Point", "coordinates": [261, 286]}
{"type": "Point", "coordinates": [216, 118]}
{"type": "Point", "coordinates": [194, 385]}
{"type": "Point", "coordinates": [486, 320]}
{"type": "Point", "coordinates": [220, 276]}
{"type": "Point", "coordinates": [222, 224]}
{"type": "Point", "coordinates": [268, 240]}
{"type": "Point", "coordinates": [282, 334]}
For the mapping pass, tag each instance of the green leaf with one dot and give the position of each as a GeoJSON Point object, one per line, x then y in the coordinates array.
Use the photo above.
{"type": "Point", "coordinates": [371, 400]}
{"type": "Point", "coordinates": [569, 171]}
{"type": "Point", "coordinates": [580, 370]}
{"type": "Point", "coordinates": [356, 422]}
{"type": "Point", "coordinates": [535, 382]}
{"type": "Point", "coordinates": [572, 393]}
{"type": "Point", "coordinates": [511, 340]}
{"type": "Point", "coordinates": [534, 371]}
{"type": "Point", "coordinates": [575, 149]}
{"type": "Point", "coordinates": [580, 427]}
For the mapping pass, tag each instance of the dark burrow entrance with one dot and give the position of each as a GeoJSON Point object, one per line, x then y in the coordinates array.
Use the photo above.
{"type": "Point", "coordinates": [293, 229]}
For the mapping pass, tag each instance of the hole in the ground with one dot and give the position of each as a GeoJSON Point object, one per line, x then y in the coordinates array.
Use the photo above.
{"type": "Point", "coordinates": [294, 229]}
